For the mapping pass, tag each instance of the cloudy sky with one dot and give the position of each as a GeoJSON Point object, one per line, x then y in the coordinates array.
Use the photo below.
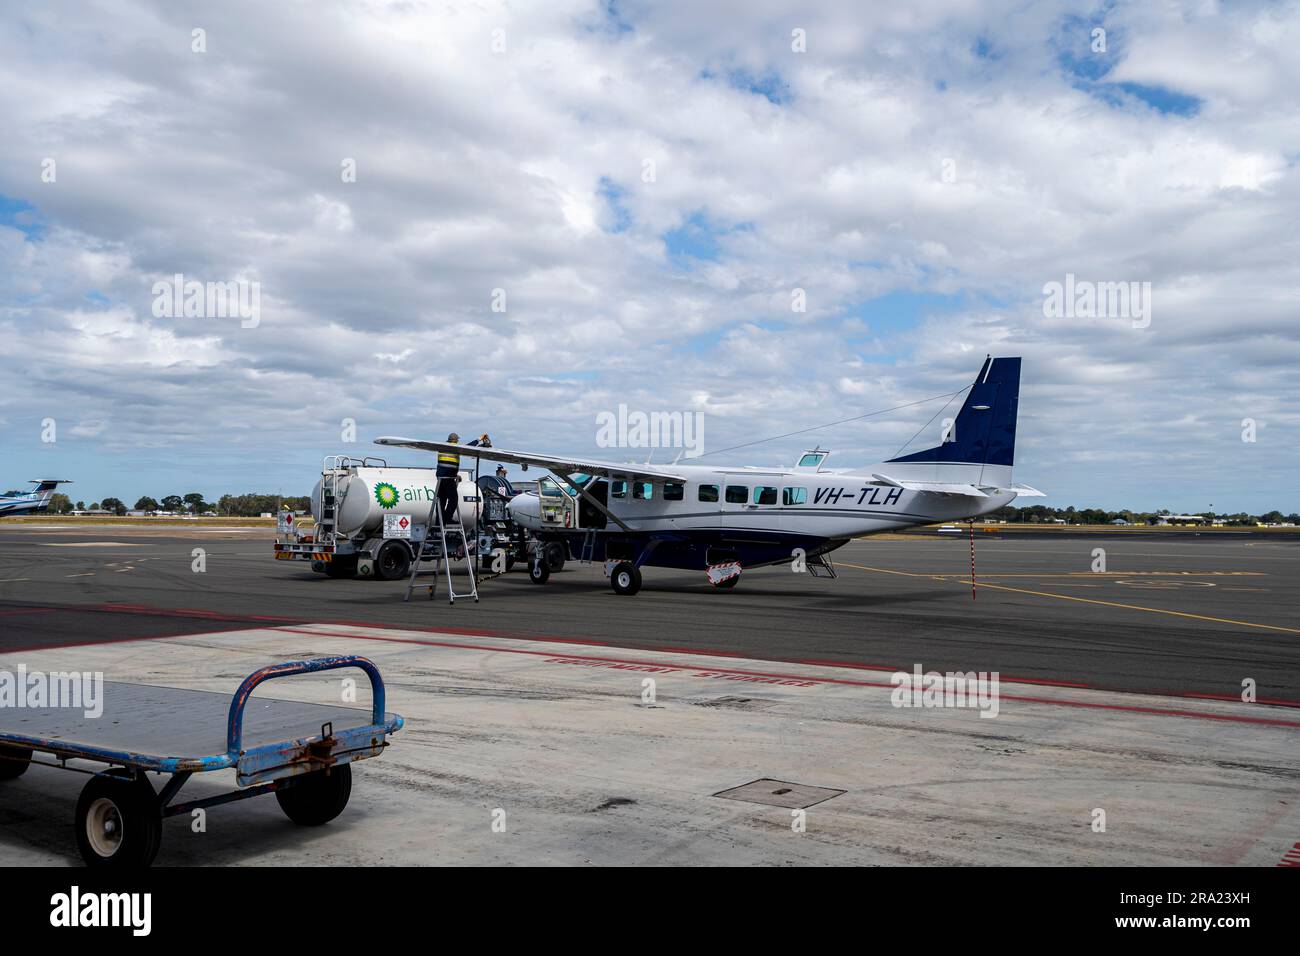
{"type": "Point", "coordinates": [643, 187]}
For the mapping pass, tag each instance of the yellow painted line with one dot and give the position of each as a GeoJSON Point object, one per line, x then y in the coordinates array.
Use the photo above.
{"type": "Point", "coordinates": [1082, 600]}
{"type": "Point", "coordinates": [1111, 574]}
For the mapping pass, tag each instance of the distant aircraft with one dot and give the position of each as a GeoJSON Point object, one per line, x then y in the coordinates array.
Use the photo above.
{"type": "Point", "coordinates": [721, 520]}
{"type": "Point", "coordinates": [36, 500]}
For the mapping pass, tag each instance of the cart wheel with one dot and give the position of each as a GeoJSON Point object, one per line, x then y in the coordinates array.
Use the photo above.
{"type": "Point", "coordinates": [317, 797]}
{"type": "Point", "coordinates": [626, 578]}
{"type": "Point", "coordinates": [119, 821]}
{"type": "Point", "coordinates": [14, 762]}
{"type": "Point", "coordinates": [538, 571]}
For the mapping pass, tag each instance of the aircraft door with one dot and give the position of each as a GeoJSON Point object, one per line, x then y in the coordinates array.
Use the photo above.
{"type": "Point", "coordinates": [589, 516]}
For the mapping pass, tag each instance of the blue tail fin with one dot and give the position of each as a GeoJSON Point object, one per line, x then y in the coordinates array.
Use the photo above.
{"type": "Point", "coordinates": [984, 431]}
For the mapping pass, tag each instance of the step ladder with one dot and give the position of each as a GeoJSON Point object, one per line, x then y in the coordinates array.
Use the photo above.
{"type": "Point", "coordinates": [821, 566]}
{"type": "Point", "coordinates": [437, 547]}
{"type": "Point", "coordinates": [588, 547]}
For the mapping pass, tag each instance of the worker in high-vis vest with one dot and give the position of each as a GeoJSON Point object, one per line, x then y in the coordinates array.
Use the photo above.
{"type": "Point", "coordinates": [449, 480]}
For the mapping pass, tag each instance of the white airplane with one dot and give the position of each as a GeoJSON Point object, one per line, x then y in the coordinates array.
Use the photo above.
{"type": "Point", "coordinates": [38, 499]}
{"type": "Point", "coordinates": [722, 520]}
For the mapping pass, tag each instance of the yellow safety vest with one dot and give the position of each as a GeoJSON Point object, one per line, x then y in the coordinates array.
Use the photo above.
{"type": "Point", "coordinates": [447, 458]}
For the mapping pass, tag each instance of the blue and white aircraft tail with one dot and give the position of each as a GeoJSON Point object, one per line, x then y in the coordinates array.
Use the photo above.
{"type": "Point", "coordinates": [36, 500]}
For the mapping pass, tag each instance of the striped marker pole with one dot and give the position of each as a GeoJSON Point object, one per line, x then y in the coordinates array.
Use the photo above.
{"type": "Point", "coordinates": [971, 522]}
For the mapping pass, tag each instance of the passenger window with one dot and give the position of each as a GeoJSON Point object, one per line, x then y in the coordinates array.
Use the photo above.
{"type": "Point", "coordinates": [618, 489]}
{"type": "Point", "coordinates": [674, 491]}
{"type": "Point", "coordinates": [708, 492]}
{"type": "Point", "coordinates": [643, 490]}
{"type": "Point", "coordinates": [764, 495]}
{"type": "Point", "coordinates": [737, 494]}
{"type": "Point", "coordinates": [794, 496]}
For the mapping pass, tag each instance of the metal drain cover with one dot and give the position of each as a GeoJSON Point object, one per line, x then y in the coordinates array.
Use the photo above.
{"type": "Point", "coordinates": [779, 793]}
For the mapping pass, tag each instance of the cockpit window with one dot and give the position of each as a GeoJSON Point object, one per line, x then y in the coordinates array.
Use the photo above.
{"type": "Point", "coordinates": [810, 460]}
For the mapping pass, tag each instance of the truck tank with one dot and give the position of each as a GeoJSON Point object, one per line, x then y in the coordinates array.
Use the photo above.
{"type": "Point", "coordinates": [365, 495]}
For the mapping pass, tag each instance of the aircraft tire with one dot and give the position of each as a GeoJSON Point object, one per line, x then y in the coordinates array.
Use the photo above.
{"type": "Point", "coordinates": [625, 578]}
{"type": "Point", "coordinates": [538, 571]}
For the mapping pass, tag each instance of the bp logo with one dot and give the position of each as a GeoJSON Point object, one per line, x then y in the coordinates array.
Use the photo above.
{"type": "Point", "coordinates": [385, 494]}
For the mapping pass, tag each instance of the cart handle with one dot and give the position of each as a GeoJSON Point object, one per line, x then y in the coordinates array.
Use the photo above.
{"type": "Point", "coordinates": [235, 722]}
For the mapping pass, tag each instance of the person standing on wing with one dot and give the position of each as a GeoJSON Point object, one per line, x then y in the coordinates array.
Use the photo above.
{"type": "Point", "coordinates": [449, 480]}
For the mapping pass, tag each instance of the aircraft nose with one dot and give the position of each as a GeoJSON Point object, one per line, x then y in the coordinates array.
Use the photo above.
{"type": "Point", "coordinates": [526, 510]}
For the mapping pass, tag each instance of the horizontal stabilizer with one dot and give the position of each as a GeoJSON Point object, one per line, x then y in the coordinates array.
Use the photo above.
{"type": "Point", "coordinates": [931, 487]}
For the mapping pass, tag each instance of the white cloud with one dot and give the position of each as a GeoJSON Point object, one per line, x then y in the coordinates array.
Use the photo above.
{"type": "Point", "coordinates": [479, 171]}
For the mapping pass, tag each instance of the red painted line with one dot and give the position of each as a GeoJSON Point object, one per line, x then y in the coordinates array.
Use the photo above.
{"type": "Point", "coordinates": [277, 620]}
{"type": "Point", "coordinates": [1125, 708]}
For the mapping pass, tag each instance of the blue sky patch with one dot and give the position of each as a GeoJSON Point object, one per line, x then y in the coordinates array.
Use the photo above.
{"type": "Point", "coordinates": [620, 217]}
{"type": "Point", "coordinates": [22, 216]}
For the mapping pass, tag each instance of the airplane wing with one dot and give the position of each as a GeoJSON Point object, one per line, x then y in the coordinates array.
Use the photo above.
{"type": "Point", "coordinates": [563, 466]}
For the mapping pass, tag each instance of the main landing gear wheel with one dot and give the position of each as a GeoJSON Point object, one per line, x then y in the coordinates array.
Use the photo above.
{"type": "Point", "coordinates": [317, 797]}
{"type": "Point", "coordinates": [538, 571]}
{"type": "Point", "coordinates": [625, 578]}
{"type": "Point", "coordinates": [14, 762]}
{"type": "Point", "coordinates": [119, 821]}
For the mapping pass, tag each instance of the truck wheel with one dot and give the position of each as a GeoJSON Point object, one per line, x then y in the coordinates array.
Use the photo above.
{"type": "Point", "coordinates": [14, 762]}
{"type": "Point", "coordinates": [119, 821]}
{"type": "Point", "coordinates": [555, 556]}
{"type": "Point", "coordinates": [341, 568]}
{"type": "Point", "coordinates": [538, 571]}
{"type": "Point", "coordinates": [393, 561]}
{"type": "Point", "coordinates": [317, 797]}
{"type": "Point", "coordinates": [626, 578]}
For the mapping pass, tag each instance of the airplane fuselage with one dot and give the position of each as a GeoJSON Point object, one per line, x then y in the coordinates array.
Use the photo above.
{"type": "Point", "coordinates": [751, 515]}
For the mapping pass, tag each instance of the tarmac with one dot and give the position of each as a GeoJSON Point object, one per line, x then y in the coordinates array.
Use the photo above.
{"type": "Point", "coordinates": [532, 736]}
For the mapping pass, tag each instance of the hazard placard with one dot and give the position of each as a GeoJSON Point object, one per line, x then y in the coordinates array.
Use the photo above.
{"type": "Point", "coordinates": [397, 526]}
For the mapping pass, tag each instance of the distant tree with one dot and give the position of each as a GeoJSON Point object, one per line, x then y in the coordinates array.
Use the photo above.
{"type": "Point", "coordinates": [94, 506]}
{"type": "Point", "coordinates": [146, 504]}
{"type": "Point", "coordinates": [196, 502]}
{"type": "Point", "coordinates": [172, 503]}
{"type": "Point", "coordinates": [60, 504]}
{"type": "Point", "coordinates": [81, 506]}
{"type": "Point", "coordinates": [1272, 517]}
{"type": "Point", "coordinates": [114, 505]}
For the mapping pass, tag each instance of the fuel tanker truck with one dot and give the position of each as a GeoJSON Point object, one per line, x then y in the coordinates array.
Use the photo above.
{"type": "Point", "coordinates": [371, 518]}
